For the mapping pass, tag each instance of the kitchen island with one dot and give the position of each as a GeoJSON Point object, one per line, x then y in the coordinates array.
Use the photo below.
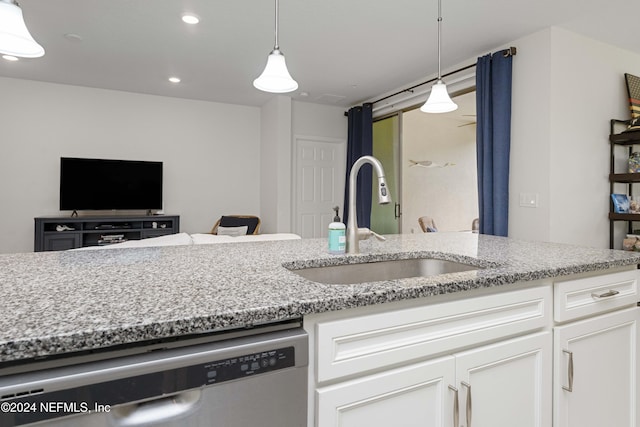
{"type": "Point", "coordinates": [374, 346]}
{"type": "Point", "coordinates": [55, 303]}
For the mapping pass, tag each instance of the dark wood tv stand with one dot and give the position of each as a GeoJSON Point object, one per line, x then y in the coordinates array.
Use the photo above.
{"type": "Point", "coordinates": [62, 233]}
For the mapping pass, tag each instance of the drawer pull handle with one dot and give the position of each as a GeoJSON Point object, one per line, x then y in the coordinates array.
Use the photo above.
{"type": "Point", "coordinates": [468, 412]}
{"type": "Point", "coordinates": [570, 371]}
{"type": "Point", "coordinates": [609, 293]}
{"type": "Point", "coordinates": [456, 409]}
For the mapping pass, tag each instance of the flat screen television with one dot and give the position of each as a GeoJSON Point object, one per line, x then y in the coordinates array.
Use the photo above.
{"type": "Point", "coordinates": [99, 184]}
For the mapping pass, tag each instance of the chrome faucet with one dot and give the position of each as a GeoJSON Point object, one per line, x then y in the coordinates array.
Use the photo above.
{"type": "Point", "coordinates": [355, 234]}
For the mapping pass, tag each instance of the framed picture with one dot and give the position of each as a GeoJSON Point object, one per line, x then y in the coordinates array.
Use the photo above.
{"type": "Point", "coordinates": [633, 90]}
{"type": "Point", "coordinates": [620, 203]}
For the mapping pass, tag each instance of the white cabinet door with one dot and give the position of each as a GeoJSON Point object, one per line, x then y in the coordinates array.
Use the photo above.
{"type": "Point", "coordinates": [507, 384]}
{"type": "Point", "coordinates": [596, 372]}
{"type": "Point", "coordinates": [413, 396]}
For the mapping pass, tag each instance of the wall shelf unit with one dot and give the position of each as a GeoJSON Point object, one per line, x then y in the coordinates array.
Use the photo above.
{"type": "Point", "coordinates": [626, 140]}
{"type": "Point", "coordinates": [63, 233]}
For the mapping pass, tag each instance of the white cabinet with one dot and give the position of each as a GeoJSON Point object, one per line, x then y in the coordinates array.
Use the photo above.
{"type": "Point", "coordinates": [417, 395]}
{"type": "Point", "coordinates": [596, 371]}
{"type": "Point", "coordinates": [561, 354]}
{"type": "Point", "coordinates": [424, 365]}
{"type": "Point", "coordinates": [494, 385]}
{"type": "Point", "coordinates": [596, 347]}
{"type": "Point", "coordinates": [505, 382]}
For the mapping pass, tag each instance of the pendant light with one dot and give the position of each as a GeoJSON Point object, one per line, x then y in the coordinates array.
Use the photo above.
{"type": "Point", "coordinates": [439, 100]}
{"type": "Point", "coordinates": [15, 39]}
{"type": "Point", "coordinates": [276, 78]}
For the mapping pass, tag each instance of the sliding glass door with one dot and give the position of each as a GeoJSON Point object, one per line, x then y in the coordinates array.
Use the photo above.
{"type": "Point", "coordinates": [385, 219]}
{"type": "Point", "coordinates": [439, 174]}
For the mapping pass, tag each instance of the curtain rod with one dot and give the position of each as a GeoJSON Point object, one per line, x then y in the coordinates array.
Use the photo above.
{"type": "Point", "coordinates": [506, 53]}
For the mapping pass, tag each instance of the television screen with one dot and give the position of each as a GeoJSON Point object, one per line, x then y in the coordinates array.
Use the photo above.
{"type": "Point", "coordinates": [98, 184]}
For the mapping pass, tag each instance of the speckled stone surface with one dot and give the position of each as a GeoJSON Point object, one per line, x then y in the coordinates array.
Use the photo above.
{"type": "Point", "coordinates": [63, 302]}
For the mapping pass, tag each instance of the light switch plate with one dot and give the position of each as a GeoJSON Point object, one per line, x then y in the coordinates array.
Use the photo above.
{"type": "Point", "coordinates": [529, 200]}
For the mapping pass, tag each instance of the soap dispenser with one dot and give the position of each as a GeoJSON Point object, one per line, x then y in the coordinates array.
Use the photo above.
{"type": "Point", "coordinates": [337, 235]}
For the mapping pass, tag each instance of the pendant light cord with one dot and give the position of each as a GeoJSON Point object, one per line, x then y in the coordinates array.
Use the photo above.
{"type": "Point", "coordinates": [439, 36]}
{"type": "Point", "coordinates": [276, 47]}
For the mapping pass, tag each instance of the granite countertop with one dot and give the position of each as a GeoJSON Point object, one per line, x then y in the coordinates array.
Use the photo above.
{"type": "Point", "coordinates": [64, 302]}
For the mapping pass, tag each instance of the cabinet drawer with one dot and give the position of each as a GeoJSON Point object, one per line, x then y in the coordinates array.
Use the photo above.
{"type": "Point", "coordinates": [371, 342]}
{"type": "Point", "coordinates": [62, 241]}
{"type": "Point", "coordinates": [578, 298]}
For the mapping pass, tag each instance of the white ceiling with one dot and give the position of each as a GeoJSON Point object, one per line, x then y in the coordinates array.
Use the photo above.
{"type": "Point", "coordinates": [341, 52]}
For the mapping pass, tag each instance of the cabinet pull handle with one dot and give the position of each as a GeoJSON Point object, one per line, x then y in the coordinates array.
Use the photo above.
{"type": "Point", "coordinates": [607, 294]}
{"type": "Point", "coordinates": [570, 371]}
{"type": "Point", "coordinates": [468, 409]}
{"type": "Point", "coordinates": [456, 409]}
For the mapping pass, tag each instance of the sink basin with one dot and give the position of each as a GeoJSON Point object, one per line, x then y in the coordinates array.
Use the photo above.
{"type": "Point", "coordinates": [349, 274]}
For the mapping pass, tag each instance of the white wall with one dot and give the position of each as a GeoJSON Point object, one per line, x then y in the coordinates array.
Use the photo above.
{"type": "Point", "coordinates": [529, 169]}
{"type": "Point", "coordinates": [587, 89]}
{"type": "Point", "coordinates": [210, 151]}
{"type": "Point", "coordinates": [325, 121]}
{"type": "Point", "coordinates": [566, 88]}
{"type": "Point", "coordinates": [275, 163]}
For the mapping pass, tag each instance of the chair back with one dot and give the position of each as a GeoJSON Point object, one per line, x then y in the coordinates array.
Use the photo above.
{"type": "Point", "coordinates": [427, 224]}
{"type": "Point", "coordinates": [252, 222]}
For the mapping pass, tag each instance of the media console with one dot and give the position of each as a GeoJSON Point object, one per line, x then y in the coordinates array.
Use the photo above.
{"type": "Point", "coordinates": [62, 233]}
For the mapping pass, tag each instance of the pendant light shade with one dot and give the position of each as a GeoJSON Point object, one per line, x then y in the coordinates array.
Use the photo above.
{"type": "Point", "coordinates": [276, 78]}
{"type": "Point", "coordinates": [15, 38]}
{"type": "Point", "coordinates": [439, 100]}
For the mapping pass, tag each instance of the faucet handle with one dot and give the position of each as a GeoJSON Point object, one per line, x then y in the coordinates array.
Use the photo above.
{"type": "Point", "coordinates": [377, 236]}
{"type": "Point", "coordinates": [364, 233]}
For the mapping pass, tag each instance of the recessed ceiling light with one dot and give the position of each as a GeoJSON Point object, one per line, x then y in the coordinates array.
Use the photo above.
{"type": "Point", "coordinates": [9, 57]}
{"type": "Point", "coordinates": [174, 79]}
{"type": "Point", "coordinates": [188, 18]}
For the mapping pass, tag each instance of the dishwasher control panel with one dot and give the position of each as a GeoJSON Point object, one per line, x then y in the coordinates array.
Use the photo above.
{"type": "Point", "coordinates": [249, 364]}
{"type": "Point", "coordinates": [81, 399]}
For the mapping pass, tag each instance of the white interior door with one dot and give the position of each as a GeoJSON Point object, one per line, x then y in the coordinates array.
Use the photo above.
{"type": "Point", "coordinates": [319, 177]}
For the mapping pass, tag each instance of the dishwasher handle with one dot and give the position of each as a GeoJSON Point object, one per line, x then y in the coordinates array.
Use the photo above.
{"type": "Point", "coordinates": [163, 409]}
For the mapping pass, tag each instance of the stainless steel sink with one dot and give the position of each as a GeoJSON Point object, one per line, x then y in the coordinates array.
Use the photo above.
{"type": "Point", "coordinates": [349, 274]}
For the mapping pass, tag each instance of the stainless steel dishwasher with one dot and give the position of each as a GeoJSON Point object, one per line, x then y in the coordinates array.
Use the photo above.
{"type": "Point", "coordinates": [241, 381]}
